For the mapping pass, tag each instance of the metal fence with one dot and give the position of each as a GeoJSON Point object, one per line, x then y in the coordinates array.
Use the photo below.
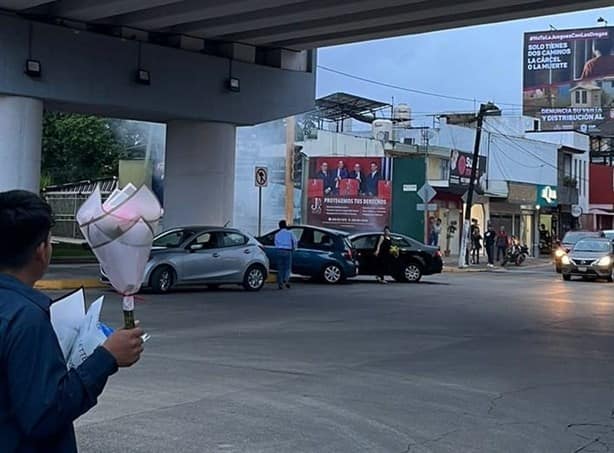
{"type": "Point", "coordinates": [66, 199]}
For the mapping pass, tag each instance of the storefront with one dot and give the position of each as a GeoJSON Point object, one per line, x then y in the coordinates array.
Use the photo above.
{"type": "Point", "coordinates": [449, 210]}
{"type": "Point", "coordinates": [518, 214]}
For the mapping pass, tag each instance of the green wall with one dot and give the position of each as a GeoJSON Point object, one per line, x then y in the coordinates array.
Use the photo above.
{"type": "Point", "coordinates": [405, 219]}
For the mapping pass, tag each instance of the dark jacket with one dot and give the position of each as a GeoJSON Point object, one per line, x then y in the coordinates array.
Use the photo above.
{"type": "Point", "coordinates": [489, 238]}
{"type": "Point", "coordinates": [372, 183]}
{"type": "Point", "coordinates": [360, 176]}
{"type": "Point", "coordinates": [329, 180]}
{"type": "Point", "coordinates": [39, 397]}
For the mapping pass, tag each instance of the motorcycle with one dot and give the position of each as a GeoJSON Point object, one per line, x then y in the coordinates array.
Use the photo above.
{"type": "Point", "coordinates": [516, 254]}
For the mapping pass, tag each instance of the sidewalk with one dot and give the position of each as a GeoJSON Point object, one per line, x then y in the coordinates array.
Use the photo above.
{"type": "Point", "coordinates": [451, 265]}
{"type": "Point", "coordinates": [71, 276]}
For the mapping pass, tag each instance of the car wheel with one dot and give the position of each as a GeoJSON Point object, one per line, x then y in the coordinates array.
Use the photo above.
{"type": "Point", "coordinates": [566, 277]}
{"type": "Point", "coordinates": [162, 280]}
{"type": "Point", "coordinates": [255, 277]}
{"type": "Point", "coordinates": [412, 272]}
{"type": "Point", "coordinates": [332, 274]}
{"type": "Point", "coordinates": [611, 276]}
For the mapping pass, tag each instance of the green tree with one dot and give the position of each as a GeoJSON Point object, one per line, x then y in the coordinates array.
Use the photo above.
{"type": "Point", "coordinates": [78, 147]}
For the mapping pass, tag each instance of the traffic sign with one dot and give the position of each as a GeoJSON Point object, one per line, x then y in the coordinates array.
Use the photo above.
{"type": "Point", "coordinates": [430, 207]}
{"type": "Point", "coordinates": [261, 177]}
{"type": "Point", "coordinates": [427, 193]}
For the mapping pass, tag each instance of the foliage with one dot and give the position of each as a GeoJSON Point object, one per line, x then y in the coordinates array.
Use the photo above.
{"type": "Point", "coordinates": [569, 181]}
{"type": "Point", "coordinates": [77, 147]}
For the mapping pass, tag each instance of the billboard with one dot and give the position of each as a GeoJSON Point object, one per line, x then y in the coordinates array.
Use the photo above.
{"type": "Point", "coordinates": [569, 78]}
{"type": "Point", "coordinates": [461, 165]}
{"type": "Point", "coordinates": [349, 193]}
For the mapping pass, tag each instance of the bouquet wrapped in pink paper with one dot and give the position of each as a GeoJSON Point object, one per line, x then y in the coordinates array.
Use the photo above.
{"type": "Point", "coordinates": [120, 232]}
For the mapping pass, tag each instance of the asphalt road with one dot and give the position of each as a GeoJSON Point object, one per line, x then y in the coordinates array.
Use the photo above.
{"type": "Point", "coordinates": [510, 362]}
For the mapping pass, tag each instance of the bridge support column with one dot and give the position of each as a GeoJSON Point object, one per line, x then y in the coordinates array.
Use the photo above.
{"type": "Point", "coordinates": [21, 130]}
{"type": "Point", "coordinates": [199, 174]}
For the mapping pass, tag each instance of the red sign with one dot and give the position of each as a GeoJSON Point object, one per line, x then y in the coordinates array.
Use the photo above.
{"type": "Point", "coordinates": [349, 193]}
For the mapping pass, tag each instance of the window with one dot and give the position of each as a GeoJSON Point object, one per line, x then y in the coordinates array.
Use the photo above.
{"type": "Point", "coordinates": [171, 239]}
{"type": "Point", "coordinates": [206, 241]}
{"type": "Point", "coordinates": [365, 243]}
{"type": "Point", "coordinates": [578, 97]}
{"type": "Point", "coordinates": [316, 239]}
{"type": "Point", "coordinates": [444, 169]}
{"type": "Point", "coordinates": [400, 242]}
{"type": "Point", "coordinates": [233, 240]}
{"type": "Point", "coordinates": [268, 240]}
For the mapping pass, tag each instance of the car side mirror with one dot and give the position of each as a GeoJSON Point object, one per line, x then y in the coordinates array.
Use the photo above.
{"type": "Point", "coordinates": [196, 247]}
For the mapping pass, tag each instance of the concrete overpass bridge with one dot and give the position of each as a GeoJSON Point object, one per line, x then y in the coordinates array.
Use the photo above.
{"type": "Point", "coordinates": [201, 66]}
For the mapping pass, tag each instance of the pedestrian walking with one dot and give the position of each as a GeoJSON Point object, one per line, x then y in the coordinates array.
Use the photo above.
{"type": "Point", "coordinates": [502, 243]}
{"type": "Point", "coordinates": [435, 232]}
{"type": "Point", "coordinates": [476, 243]}
{"type": "Point", "coordinates": [285, 243]}
{"type": "Point", "coordinates": [39, 397]}
{"type": "Point", "coordinates": [382, 253]}
{"type": "Point", "coordinates": [490, 237]}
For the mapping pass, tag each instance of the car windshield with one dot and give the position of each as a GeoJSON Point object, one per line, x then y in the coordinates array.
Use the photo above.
{"type": "Point", "coordinates": [574, 236]}
{"type": "Point", "coordinates": [592, 246]}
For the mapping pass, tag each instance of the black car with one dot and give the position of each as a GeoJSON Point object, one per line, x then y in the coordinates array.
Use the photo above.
{"type": "Point", "coordinates": [412, 259]}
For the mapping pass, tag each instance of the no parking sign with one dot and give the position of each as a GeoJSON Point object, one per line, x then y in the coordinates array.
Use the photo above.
{"type": "Point", "coordinates": [261, 177]}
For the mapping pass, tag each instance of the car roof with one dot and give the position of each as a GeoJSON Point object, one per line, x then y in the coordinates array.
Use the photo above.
{"type": "Point", "coordinates": [595, 239]}
{"type": "Point", "coordinates": [201, 228]}
{"type": "Point", "coordinates": [323, 229]}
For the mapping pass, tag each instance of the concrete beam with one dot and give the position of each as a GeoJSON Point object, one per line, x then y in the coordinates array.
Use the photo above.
{"type": "Point", "coordinates": [92, 10]}
{"type": "Point", "coordinates": [192, 10]}
{"type": "Point", "coordinates": [333, 37]}
{"type": "Point", "coordinates": [21, 5]}
{"type": "Point", "coordinates": [279, 16]}
{"type": "Point", "coordinates": [405, 14]}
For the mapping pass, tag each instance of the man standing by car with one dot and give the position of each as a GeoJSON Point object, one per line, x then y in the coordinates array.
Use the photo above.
{"type": "Point", "coordinates": [39, 397]}
{"type": "Point", "coordinates": [285, 243]}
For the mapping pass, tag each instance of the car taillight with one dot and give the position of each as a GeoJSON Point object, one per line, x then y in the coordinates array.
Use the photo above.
{"type": "Point", "coordinates": [348, 254]}
{"type": "Point", "coordinates": [438, 254]}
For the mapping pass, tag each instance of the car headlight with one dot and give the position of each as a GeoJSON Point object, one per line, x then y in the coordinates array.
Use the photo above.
{"type": "Point", "coordinates": [559, 253]}
{"type": "Point", "coordinates": [605, 261]}
{"type": "Point", "coordinates": [565, 260]}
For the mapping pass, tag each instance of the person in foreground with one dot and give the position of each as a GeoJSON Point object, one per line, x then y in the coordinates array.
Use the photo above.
{"type": "Point", "coordinates": [39, 397]}
{"type": "Point", "coordinates": [285, 242]}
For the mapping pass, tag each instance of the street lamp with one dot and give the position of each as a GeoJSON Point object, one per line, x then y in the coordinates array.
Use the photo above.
{"type": "Point", "coordinates": [488, 109]}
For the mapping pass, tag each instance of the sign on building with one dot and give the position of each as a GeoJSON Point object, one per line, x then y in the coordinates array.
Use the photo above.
{"type": "Point", "coordinates": [460, 171]}
{"type": "Point", "coordinates": [546, 196]}
{"type": "Point", "coordinates": [569, 78]}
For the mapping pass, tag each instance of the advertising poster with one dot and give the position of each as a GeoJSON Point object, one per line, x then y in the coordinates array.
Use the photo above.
{"type": "Point", "coordinates": [349, 193]}
{"type": "Point", "coordinates": [569, 78]}
{"type": "Point", "coordinates": [460, 171]}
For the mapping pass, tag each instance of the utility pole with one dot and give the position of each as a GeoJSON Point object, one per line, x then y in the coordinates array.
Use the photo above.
{"type": "Point", "coordinates": [290, 138]}
{"type": "Point", "coordinates": [463, 256]}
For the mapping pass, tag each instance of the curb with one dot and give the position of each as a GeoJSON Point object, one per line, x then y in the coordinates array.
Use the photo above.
{"type": "Point", "coordinates": [67, 284]}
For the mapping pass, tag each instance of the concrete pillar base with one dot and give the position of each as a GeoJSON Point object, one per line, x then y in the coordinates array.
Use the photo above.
{"type": "Point", "coordinates": [21, 131]}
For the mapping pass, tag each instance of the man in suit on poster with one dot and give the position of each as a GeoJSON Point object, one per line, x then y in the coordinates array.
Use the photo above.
{"type": "Point", "coordinates": [359, 176]}
{"type": "Point", "coordinates": [373, 179]}
{"type": "Point", "coordinates": [327, 177]}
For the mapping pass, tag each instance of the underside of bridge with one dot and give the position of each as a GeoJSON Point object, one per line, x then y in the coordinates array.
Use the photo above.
{"type": "Point", "coordinates": [173, 61]}
{"type": "Point", "coordinates": [293, 24]}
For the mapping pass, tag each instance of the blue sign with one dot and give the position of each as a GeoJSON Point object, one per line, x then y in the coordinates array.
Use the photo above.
{"type": "Point", "coordinates": [547, 196]}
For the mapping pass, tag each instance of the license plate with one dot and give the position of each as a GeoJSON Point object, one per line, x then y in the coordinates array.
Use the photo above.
{"type": "Point", "coordinates": [581, 268]}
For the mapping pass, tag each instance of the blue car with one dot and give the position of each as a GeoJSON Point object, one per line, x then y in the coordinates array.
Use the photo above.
{"type": "Point", "coordinates": [322, 253]}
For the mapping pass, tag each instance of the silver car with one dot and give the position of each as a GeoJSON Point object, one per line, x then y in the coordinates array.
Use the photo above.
{"type": "Point", "coordinates": [200, 255]}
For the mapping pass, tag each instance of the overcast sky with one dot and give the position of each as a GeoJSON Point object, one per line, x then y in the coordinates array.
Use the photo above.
{"type": "Point", "coordinates": [483, 62]}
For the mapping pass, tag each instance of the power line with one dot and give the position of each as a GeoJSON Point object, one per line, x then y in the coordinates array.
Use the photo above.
{"type": "Point", "coordinates": [409, 90]}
